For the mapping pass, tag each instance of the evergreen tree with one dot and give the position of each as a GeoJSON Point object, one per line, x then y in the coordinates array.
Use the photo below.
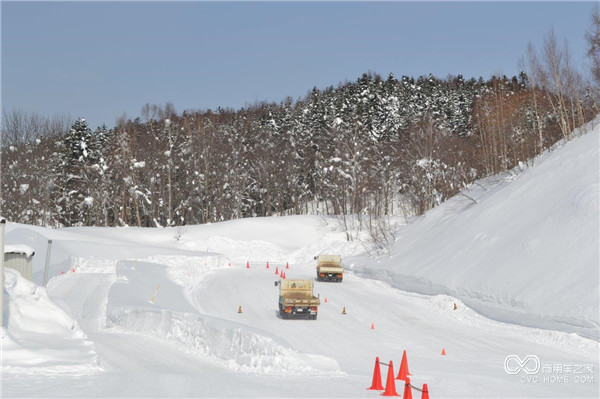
{"type": "Point", "coordinates": [73, 156]}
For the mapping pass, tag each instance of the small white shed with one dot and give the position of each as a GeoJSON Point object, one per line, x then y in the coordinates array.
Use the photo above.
{"type": "Point", "coordinates": [20, 258]}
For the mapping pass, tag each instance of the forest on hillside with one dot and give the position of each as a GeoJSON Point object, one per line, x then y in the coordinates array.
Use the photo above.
{"type": "Point", "coordinates": [372, 147]}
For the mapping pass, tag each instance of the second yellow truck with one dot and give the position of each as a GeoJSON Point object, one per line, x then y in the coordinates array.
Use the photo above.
{"type": "Point", "coordinates": [329, 268]}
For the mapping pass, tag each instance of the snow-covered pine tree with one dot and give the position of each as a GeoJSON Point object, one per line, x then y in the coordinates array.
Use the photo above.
{"type": "Point", "coordinates": [71, 186]}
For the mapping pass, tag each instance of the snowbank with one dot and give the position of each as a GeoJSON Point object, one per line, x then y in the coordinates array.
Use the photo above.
{"type": "Point", "coordinates": [294, 239]}
{"type": "Point", "coordinates": [232, 345]}
{"type": "Point", "coordinates": [526, 252]}
{"type": "Point", "coordinates": [39, 336]}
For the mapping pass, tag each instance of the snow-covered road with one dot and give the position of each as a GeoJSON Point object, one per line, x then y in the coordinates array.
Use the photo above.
{"type": "Point", "coordinates": [340, 349]}
{"type": "Point", "coordinates": [422, 325]}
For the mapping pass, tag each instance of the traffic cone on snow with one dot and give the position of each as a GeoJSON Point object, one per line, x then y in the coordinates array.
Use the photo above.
{"type": "Point", "coordinates": [276, 269]}
{"type": "Point", "coordinates": [372, 326]}
{"type": "Point", "coordinates": [325, 299]}
{"type": "Point", "coordinates": [376, 384]}
{"type": "Point", "coordinates": [443, 352]}
{"type": "Point", "coordinates": [425, 394]}
{"type": "Point", "coordinates": [390, 383]}
{"type": "Point", "coordinates": [248, 265]}
{"type": "Point", "coordinates": [287, 265]}
{"type": "Point", "coordinates": [73, 270]}
{"type": "Point", "coordinates": [403, 373]}
{"type": "Point", "coordinates": [407, 391]}
{"type": "Point", "coordinates": [267, 265]}
{"type": "Point", "coordinates": [284, 275]}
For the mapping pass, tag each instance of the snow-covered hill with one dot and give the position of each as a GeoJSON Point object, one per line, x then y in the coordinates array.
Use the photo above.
{"type": "Point", "coordinates": [526, 253]}
{"type": "Point", "coordinates": [134, 312]}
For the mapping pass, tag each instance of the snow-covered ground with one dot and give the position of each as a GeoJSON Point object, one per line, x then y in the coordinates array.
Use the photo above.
{"type": "Point", "coordinates": [131, 312]}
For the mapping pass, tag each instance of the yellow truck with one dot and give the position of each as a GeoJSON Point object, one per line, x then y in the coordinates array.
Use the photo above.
{"type": "Point", "coordinates": [329, 268]}
{"type": "Point", "coordinates": [296, 299]}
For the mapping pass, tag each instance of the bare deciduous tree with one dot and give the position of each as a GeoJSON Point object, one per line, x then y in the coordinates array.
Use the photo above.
{"type": "Point", "coordinates": [19, 127]}
{"type": "Point", "coordinates": [593, 52]}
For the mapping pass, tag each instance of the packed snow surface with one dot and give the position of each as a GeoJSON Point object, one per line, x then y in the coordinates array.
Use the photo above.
{"type": "Point", "coordinates": [504, 272]}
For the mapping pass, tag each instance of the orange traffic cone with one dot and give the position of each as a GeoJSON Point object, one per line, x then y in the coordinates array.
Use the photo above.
{"type": "Point", "coordinates": [248, 265]}
{"type": "Point", "coordinates": [325, 299]}
{"type": "Point", "coordinates": [229, 264]}
{"type": "Point", "coordinates": [287, 265]}
{"type": "Point", "coordinates": [284, 275]}
{"type": "Point", "coordinates": [407, 391]}
{"type": "Point", "coordinates": [372, 326]}
{"type": "Point", "coordinates": [376, 385]}
{"type": "Point", "coordinates": [403, 373]}
{"type": "Point", "coordinates": [425, 394]}
{"type": "Point", "coordinates": [390, 383]}
{"type": "Point", "coordinates": [443, 351]}
{"type": "Point", "coordinates": [267, 265]}
{"type": "Point", "coordinates": [276, 269]}
{"type": "Point", "coordinates": [73, 270]}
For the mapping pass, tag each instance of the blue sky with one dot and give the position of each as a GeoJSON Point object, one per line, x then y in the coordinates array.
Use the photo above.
{"type": "Point", "coordinates": [99, 60]}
